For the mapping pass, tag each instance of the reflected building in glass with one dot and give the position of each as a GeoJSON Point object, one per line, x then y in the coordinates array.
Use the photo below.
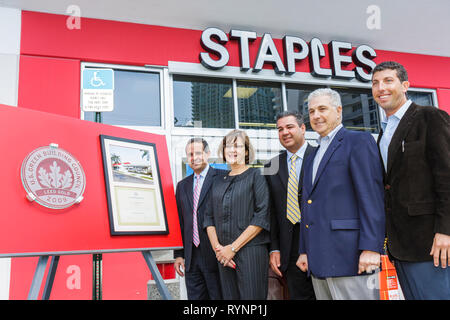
{"type": "Point", "coordinates": [211, 104]}
{"type": "Point", "coordinates": [203, 102]}
{"type": "Point", "coordinates": [258, 105]}
{"type": "Point", "coordinates": [211, 101]}
{"type": "Point", "coordinates": [359, 110]}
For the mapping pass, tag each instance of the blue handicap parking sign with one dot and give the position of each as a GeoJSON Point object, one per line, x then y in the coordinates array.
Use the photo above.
{"type": "Point", "coordinates": [98, 79]}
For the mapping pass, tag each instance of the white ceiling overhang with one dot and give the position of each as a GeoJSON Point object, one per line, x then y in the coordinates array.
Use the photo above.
{"type": "Point", "coordinates": [413, 26]}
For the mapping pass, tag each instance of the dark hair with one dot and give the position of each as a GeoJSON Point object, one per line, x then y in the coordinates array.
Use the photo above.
{"type": "Point", "coordinates": [392, 65]}
{"type": "Point", "coordinates": [199, 140]}
{"type": "Point", "coordinates": [298, 116]}
{"type": "Point", "coordinates": [231, 138]}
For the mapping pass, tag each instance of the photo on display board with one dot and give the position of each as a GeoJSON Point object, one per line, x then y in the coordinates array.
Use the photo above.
{"type": "Point", "coordinates": [133, 186]}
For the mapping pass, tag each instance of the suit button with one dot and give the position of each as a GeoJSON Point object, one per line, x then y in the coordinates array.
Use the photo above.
{"type": "Point", "coordinates": [307, 226]}
{"type": "Point", "coordinates": [309, 201]}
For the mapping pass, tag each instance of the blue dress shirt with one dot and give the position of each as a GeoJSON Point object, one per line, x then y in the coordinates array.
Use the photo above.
{"type": "Point", "coordinates": [389, 125]}
{"type": "Point", "coordinates": [324, 143]}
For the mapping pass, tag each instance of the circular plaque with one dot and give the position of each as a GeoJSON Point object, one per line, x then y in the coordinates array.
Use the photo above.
{"type": "Point", "coordinates": [53, 177]}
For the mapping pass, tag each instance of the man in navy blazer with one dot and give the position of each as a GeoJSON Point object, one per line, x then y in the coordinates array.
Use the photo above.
{"type": "Point", "coordinates": [196, 260]}
{"type": "Point", "coordinates": [343, 221]}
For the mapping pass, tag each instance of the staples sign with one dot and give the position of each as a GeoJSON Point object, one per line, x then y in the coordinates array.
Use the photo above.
{"type": "Point", "coordinates": [213, 41]}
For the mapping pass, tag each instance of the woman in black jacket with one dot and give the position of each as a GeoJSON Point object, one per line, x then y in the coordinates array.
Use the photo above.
{"type": "Point", "coordinates": [238, 222]}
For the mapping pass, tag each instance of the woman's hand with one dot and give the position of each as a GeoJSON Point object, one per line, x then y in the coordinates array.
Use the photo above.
{"type": "Point", "coordinates": [225, 255]}
{"type": "Point", "coordinates": [217, 247]}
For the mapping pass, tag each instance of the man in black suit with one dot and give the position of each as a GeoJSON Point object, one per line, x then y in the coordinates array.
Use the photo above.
{"type": "Point", "coordinates": [196, 260]}
{"type": "Point", "coordinates": [284, 228]}
{"type": "Point", "coordinates": [415, 149]}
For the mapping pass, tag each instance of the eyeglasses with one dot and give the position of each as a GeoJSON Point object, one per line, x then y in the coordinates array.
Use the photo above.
{"type": "Point", "coordinates": [236, 146]}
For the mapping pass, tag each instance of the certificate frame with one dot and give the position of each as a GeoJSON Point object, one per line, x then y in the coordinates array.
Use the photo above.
{"type": "Point", "coordinates": [133, 187]}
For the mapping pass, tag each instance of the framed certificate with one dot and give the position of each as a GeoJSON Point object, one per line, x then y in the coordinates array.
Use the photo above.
{"type": "Point", "coordinates": [133, 186]}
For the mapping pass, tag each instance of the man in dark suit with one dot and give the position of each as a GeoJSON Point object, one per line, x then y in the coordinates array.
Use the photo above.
{"type": "Point", "coordinates": [343, 222]}
{"type": "Point", "coordinates": [284, 229]}
{"type": "Point", "coordinates": [415, 150]}
{"type": "Point", "coordinates": [196, 260]}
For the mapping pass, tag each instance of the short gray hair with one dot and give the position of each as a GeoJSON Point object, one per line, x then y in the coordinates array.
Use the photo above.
{"type": "Point", "coordinates": [335, 98]}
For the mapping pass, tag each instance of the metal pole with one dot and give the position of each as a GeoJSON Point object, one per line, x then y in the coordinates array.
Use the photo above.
{"type": "Point", "coordinates": [50, 278]}
{"type": "Point", "coordinates": [37, 279]}
{"type": "Point", "coordinates": [97, 277]}
{"type": "Point", "coordinates": [162, 288]}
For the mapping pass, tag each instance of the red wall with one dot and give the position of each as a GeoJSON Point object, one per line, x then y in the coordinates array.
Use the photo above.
{"type": "Point", "coordinates": [49, 75]}
{"type": "Point", "coordinates": [125, 277]}
{"type": "Point", "coordinates": [50, 85]}
{"type": "Point", "coordinates": [443, 96]}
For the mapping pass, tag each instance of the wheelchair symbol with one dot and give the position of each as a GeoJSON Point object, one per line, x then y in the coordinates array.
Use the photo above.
{"type": "Point", "coordinates": [97, 81]}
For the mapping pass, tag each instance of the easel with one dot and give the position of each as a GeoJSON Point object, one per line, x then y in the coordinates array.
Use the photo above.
{"type": "Point", "coordinates": [42, 265]}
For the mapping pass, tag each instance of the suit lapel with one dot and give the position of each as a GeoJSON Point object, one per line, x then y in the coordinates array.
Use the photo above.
{"type": "Point", "coordinates": [309, 149]}
{"type": "Point", "coordinates": [206, 184]}
{"type": "Point", "coordinates": [307, 179]}
{"type": "Point", "coordinates": [400, 134]}
{"type": "Point", "coordinates": [335, 144]}
{"type": "Point", "coordinates": [282, 169]}
{"type": "Point", "coordinates": [283, 174]}
{"type": "Point", "coordinates": [189, 192]}
{"type": "Point", "coordinates": [379, 153]}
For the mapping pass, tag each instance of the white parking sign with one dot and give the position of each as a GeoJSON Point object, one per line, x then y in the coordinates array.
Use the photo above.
{"type": "Point", "coordinates": [98, 90]}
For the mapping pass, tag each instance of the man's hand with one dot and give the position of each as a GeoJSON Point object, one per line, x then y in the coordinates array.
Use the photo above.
{"type": "Point", "coordinates": [368, 261]}
{"type": "Point", "coordinates": [441, 250]}
{"type": "Point", "coordinates": [179, 264]}
{"type": "Point", "coordinates": [302, 262]}
{"type": "Point", "coordinates": [275, 262]}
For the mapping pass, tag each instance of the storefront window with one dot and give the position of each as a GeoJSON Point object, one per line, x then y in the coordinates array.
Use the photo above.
{"type": "Point", "coordinates": [359, 110]}
{"type": "Point", "coordinates": [137, 100]}
{"type": "Point", "coordinates": [421, 98]}
{"type": "Point", "coordinates": [203, 102]}
{"type": "Point", "coordinates": [258, 104]}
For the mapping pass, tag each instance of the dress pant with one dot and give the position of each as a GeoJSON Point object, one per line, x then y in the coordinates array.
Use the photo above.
{"type": "Point", "coordinates": [423, 281]}
{"type": "Point", "coordinates": [299, 284]}
{"type": "Point", "coordinates": [363, 287]}
{"type": "Point", "coordinates": [250, 279]}
{"type": "Point", "coordinates": [201, 283]}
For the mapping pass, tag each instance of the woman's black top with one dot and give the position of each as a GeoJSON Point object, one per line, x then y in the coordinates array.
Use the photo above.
{"type": "Point", "coordinates": [237, 202]}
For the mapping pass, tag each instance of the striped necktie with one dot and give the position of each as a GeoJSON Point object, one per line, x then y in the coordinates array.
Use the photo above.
{"type": "Point", "coordinates": [293, 209]}
{"type": "Point", "coordinates": [196, 238]}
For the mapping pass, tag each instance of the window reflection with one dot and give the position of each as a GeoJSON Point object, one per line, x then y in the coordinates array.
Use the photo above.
{"type": "Point", "coordinates": [137, 100]}
{"type": "Point", "coordinates": [202, 102]}
{"type": "Point", "coordinates": [258, 104]}
{"type": "Point", "coordinates": [359, 111]}
{"type": "Point", "coordinates": [421, 98]}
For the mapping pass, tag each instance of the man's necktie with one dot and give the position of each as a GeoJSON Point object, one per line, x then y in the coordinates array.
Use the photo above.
{"type": "Point", "coordinates": [196, 238]}
{"type": "Point", "coordinates": [293, 209]}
